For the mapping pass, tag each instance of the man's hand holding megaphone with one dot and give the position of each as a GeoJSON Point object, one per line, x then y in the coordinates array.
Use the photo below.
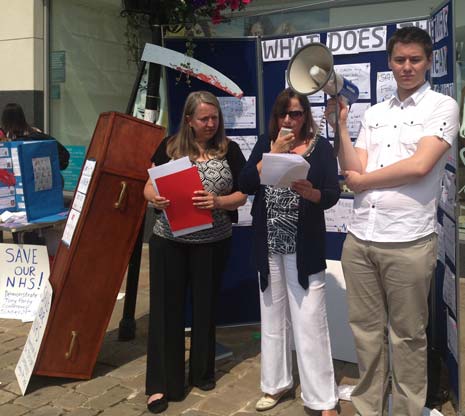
{"type": "Point", "coordinates": [337, 104]}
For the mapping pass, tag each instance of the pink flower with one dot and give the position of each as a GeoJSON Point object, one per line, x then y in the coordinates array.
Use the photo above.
{"type": "Point", "coordinates": [234, 4]}
{"type": "Point", "coordinates": [246, 1]}
{"type": "Point", "coordinates": [220, 3]}
{"type": "Point", "coordinates": [217, 18]}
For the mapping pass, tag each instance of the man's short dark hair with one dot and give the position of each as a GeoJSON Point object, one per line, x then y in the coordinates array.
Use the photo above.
{"type": "Point", "coordinates": [411, 34]}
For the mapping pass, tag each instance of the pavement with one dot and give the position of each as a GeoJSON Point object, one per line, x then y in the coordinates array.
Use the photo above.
{"type": "Point", "coordinates": [118, 381]}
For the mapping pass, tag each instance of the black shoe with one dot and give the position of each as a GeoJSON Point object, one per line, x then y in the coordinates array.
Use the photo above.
{"type": "Point", "coordinates": [158, 405]}
{"type": "Point", "coordinates": [206, 385]}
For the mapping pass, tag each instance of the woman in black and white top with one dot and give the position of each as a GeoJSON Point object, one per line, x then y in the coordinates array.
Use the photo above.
{"type": "Point", "coordinates": [289, 241]}
{"type": "Point", "coordinates": [196, 260]}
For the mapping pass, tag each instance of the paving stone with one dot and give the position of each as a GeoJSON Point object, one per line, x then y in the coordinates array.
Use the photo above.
{"type": "Point", "coordinates": [70, 400]}
{"type": "Point", "coordinates": [47, 411]}
{"type": "Point", "coordinates": [177, 408]}
{"type": "Point", "coordinates": [96, 386]}
{"type": "Point", "coordinates": [40, 397]}
{"type": "Point", "coordinates": [223, 379]}
{"type": "Point", "coordinates": [83, 412]}
{"type": "Point", "coordinates": [6, 397]}
{"type": "Point", "coordinates": [5, 337]}
{"type": "Point", "coordinates": [122, 409]}
{"type": "Point", "coordinates": [7, 375]}
{"type": "Point", "coordinates": [229, 400]}
{"type": "Point", "coordinates": [13, 410]}
{"type": "Point", "coordinates": [130, 370]}
{"type": "Point", "coordinates": [196, 413]}
{"type": "Point", "coordinates": [243, 366]}
{"type": "Point", "coordinates": [109, 398]}
{"type": "Point", "coordinates": [13, 387]}
{"type": "Point", "coordinates": [19, 330]}
{"type": "Point", "coordinates": [10, 358]}
{"type": "Point", "coordinates": [135, 383]}
{"type": "Point", "coordinates": [7, 324]}
{"type": "Point", "coordinates": [14, 343]}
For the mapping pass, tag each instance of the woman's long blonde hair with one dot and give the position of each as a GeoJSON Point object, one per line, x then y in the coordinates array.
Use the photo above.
{"type": "Point", "coordinates": [183, 142]}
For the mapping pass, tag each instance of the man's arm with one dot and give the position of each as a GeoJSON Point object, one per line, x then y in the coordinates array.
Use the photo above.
{"type": "Point", "coordinates": [430, 149]}
{"type": "Point", "coordinates": [350, 158]}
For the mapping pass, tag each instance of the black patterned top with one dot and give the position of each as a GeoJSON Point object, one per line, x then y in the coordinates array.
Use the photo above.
{"type": "Point", "coordinates": [218, 176]}
{"type": "Point", "coordinates": [282, 212]}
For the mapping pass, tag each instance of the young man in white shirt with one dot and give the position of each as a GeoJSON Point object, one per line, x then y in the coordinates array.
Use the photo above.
{"type": "Point", "coordinates": [389, 255]}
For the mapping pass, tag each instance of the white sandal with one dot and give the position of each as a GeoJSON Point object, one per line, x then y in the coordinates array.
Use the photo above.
{"type": "Point", "coordinates": [268, 401]}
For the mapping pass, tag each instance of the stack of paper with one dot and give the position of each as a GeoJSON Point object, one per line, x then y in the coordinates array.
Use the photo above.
{"type": "Point", "coordinates": [177, 181]}
{"type": "Point", "coordinates": [281, 169]}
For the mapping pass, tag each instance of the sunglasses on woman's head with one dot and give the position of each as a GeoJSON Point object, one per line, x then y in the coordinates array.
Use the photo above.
{"type": "Point", "coordinates": [296, 114]}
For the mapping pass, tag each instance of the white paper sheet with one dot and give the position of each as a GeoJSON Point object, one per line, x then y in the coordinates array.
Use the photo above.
{"type": "Point", "coordinates": [452, 336]}
{"type": "Point", "coordinates": [354, 120]}
{"type": "Point", "coordinates": [359, 74]}
{"type": "Point", "coordinates": [386, 86]}
{"type": "Point", "coordinates": [246, 143]}
{"type": "Point", "coordinates": [281, 169]}
{"type": "Point", "coordinates": [449, 290]}
{"type": "Point", "coordinates": [245, 218]}
{"type": "Point", "coordinates": [26, 362]}
{"type": "Point", "coordinates": [449, 238]}
{"type": "Point", "coordinates": [24, 269]}
{"type": "Point", "coordinates": [239, 113]}
{"type": "Point", "coordinates": [447, 199]}
{"type": "Point", "coordinates": [70, 227]}
{"type": "Point", "coordinates": [337, 218]}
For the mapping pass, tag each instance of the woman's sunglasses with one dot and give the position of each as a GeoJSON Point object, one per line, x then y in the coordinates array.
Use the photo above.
{"type": "Point", "coordinates": [296, 114]}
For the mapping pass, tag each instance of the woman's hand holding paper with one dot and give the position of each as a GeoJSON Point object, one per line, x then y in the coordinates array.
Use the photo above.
{"type": "Point", "coordinates": [205, 200]}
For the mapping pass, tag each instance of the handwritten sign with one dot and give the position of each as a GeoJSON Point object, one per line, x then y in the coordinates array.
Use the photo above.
{"type": "Point", "coordinates": [239, 113]}
{"type": "Point", "coordinates": [354, 120]}
{"type": "Point", "coordinates": [359, 74]}
{"type": "Point", "coordinates": [24, 269]}
{"type": "Point", "coordinates": [337, 218]}
{"type": "Point", "coordinates": [246, 143]}
{"type": "Point", "coordinates": [28, 357]}
{"type": "Point", "coordinates": [386, 86]}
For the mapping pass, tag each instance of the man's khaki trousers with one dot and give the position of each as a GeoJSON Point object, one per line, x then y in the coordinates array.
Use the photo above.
{"type": "Point", "coordinates": [387, 293]}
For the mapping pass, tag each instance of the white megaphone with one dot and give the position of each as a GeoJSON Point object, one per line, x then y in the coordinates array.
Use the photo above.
{"type": "Point", "coordinates": [311, 69]}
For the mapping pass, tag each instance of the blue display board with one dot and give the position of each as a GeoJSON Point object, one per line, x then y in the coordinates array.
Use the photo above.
{"type": "Point", "coordinates": [237, 59]}
{"type": "Point", "coordinates": [444, 317]}
{"type": "Point", "coordinates": [252, 63]}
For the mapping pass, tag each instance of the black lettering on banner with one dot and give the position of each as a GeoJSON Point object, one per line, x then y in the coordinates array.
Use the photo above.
{"type": "Point", "coordinates": [270, 49]}
{"type": "Point", "coordinates": [439, 68]}
{"type": "Point", "coordinates": [298, 43]}
{"type": "Point", "coordinates": [364, 38]}
{"type": "Point", "coordinates": [440, 28]}
{"type": "Point", "coordinates": [315, 37]}
{"type": "Point", "coordinates": [332, 38]}
{"type": "Point", "coordinates": [350, 40]}
{"type": "Point", "coordinates": [379, 37]}
{"type": "Point", "coordinates": [286, 47]}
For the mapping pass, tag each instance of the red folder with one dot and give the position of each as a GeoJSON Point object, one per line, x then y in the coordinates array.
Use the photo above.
{"type": "Point", "coordinates": [179, 188]}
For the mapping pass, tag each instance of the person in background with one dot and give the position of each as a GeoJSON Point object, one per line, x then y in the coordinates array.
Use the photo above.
{"type": "Point", "coordinates": [15, 127]}
{"type": "Point", "coordinates": [196, 260]}
{"type": "Point", "coordinates": [389, 255]}
{"type": "Point", "coordinates": [289, 239]}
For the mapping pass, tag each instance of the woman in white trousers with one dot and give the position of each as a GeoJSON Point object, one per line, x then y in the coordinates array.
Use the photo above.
{"type": "Point", "coordinates": [289, 238]}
